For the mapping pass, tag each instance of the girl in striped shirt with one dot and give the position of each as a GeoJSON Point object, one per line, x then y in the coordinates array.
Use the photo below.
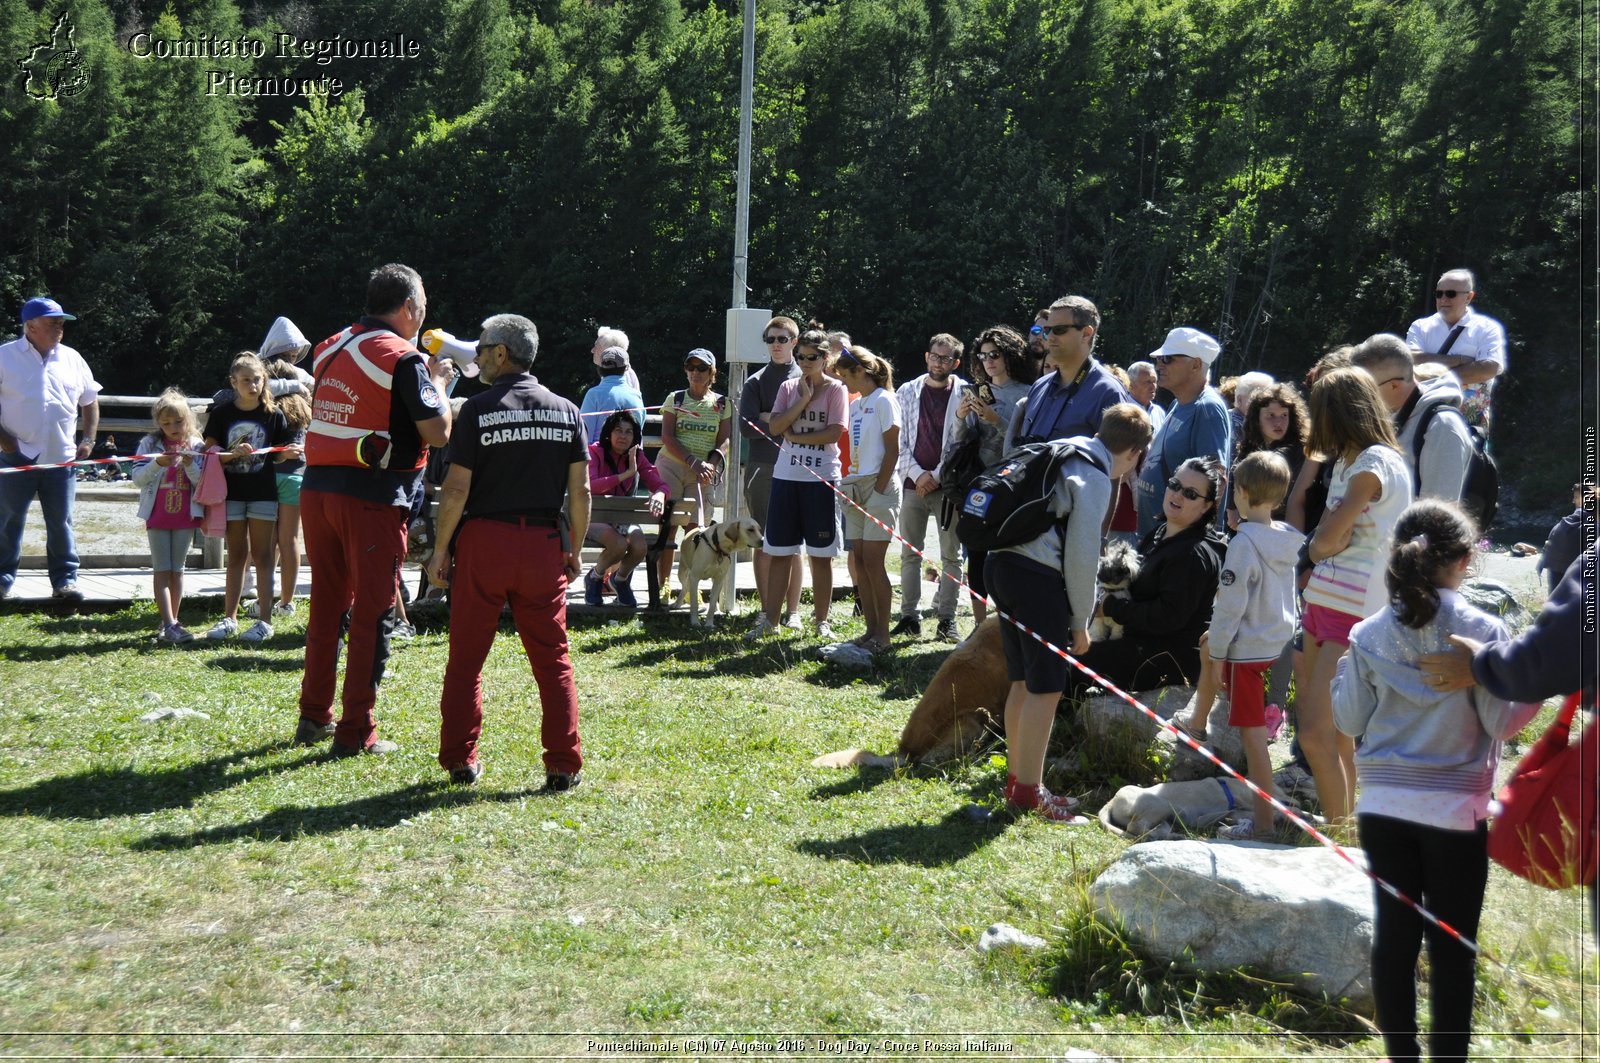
{"type": "Point", "coordinates": [1351, 426]}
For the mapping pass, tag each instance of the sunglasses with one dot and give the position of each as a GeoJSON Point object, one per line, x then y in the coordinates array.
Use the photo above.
{"type": "Point", "coordinates": [1059, 330]}
{"type": "Point", "coordinates": [776, 337]}
{"type": "Point", "coordinates": [1168, 359]}
{"type": "Point", "coordinates": [480, 348]}
{"type": "Point", "coordinates": [697, 367]}
{"type": "Point", "coordinates": [1447, 293]}
{"type": "Point", "coordinates": [810, 357]}
{"type": "Point", "coordinates": [1190, 493]}
{"type": "Point", "coordinates": [1037, 330]}
{"type": "Point", "coordinates": [990, 356]}
{"type": "Point", "coordinates": [848, 360]}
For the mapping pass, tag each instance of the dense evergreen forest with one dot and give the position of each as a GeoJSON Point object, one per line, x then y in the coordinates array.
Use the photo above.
{"type": "Point", "coordinates": [1287, 174]}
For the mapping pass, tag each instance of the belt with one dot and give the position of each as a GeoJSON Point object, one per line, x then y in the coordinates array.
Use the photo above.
{"type": "Point", "coordinates": [523, 520]}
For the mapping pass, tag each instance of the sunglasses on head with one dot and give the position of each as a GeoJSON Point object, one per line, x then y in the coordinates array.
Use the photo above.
{"type": "Point", "coordinates": [776, 337]}
{"type": "Point", "coordinates": [1190, 493]}
{"type": "Point", "coordinates": [1447, 293]}
{"type": "Point", "coordinates": [848, 360]}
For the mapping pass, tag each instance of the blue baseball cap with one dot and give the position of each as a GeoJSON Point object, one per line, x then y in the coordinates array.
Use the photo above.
{"type": "Point", "coordinates": [39, 306]}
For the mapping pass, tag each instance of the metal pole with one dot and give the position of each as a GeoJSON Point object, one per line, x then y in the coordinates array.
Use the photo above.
{"type": "Point", "coordinates": [734, 484]}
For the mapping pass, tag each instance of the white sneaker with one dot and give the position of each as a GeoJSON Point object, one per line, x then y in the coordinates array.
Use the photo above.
{"type": "Point", "coordinates": [260, 631]}
{"type": "Point", "coordinates": [176, 633]}
{"type": "Point", "coordinates": [762, 629]}
{"type": "Point", "coordinates": [251, 609]}
{"type": "Point", "coordinates": [825, 631]}
{"type": "Point", "coordinates": [403, 631]}
{"type": "Point", "coordinates": [225, 628]}
{"type": "Point", "coordinates": [283, 608]}
{"type": "Point", "coordinates": [794, 623]}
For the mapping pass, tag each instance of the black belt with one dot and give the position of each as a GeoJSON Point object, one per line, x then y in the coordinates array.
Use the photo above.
{"type": "Point", "coordinates": [523, 520]}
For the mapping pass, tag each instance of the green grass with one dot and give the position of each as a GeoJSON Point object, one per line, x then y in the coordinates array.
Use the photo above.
{"type": "Point", "coordinates": [199, 887]}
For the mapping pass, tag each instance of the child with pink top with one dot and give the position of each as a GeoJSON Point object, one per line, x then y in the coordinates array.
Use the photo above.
{"type": "Point", "coordinates": [166, 478]}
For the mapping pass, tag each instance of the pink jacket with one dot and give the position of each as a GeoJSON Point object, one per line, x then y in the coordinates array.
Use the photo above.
{"type": "Point", "coordinates": [212, 492]}
{"type": "Point", "coordinates": [606, 478]}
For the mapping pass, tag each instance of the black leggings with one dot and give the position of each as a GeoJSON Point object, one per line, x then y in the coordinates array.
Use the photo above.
{"type": "Point", "coordinates": [1445, 871]}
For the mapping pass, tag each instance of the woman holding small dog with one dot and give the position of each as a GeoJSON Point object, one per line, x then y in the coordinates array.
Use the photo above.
{"type": "Point", "coordinates": [617, 466]}
{"type": "Point", "coordinates": [1169, 603]}
{"type": "Point", "coordinates": [695, 425]}
{"type": "Point", "coordinates": [870, 482]}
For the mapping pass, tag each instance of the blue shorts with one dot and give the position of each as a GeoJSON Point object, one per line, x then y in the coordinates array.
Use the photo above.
{"type": "Point", "coordinates": [169, 547]}
{"type": "Point", "coordinates": [252, 511]}
{"type": "Point", "coordinates": [802, 511]}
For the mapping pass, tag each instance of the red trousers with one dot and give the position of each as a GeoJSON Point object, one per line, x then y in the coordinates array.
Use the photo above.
{"type": "Point", "coordinates": [355, 549]}
{"type": "Point", "coordinates": [496, 563]}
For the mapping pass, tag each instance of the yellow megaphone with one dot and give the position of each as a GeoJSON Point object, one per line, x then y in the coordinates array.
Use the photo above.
{"type": "Point", "coordinates": [440, 344]}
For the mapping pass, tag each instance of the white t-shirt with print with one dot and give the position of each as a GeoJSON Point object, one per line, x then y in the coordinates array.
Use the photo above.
{"type": "Point", "coordinates": [1352, 581]}
{"type": "Point", "coordinates": [870, 416]}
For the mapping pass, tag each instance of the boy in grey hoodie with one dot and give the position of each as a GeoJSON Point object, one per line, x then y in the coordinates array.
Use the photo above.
{"type": "Point", "coordinates": [1251, 619]}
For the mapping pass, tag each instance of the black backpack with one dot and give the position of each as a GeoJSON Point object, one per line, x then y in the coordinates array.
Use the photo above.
{"type": "Point", "coordinates": [1009, 503]}
{"type": "Point", "coordinates": [1480, 493]}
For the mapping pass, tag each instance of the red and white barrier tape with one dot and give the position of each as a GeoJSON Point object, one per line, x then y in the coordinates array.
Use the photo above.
{"type": "Point", "coordinates": [1290, 814]}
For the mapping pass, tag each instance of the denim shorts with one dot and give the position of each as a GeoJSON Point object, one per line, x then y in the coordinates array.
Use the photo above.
{"type": "Point", "coordinates": [252, 510]}
{"type": "Point", "coordinates": [169, 547]}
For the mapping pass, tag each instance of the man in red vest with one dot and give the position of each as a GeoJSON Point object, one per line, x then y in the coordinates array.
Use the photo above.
{"type": "Point", "coordinates": [377, 406]}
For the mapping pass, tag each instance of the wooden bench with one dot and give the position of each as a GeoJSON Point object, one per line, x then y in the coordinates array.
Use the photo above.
{"type": "Point", "coordinates": [635, 509]}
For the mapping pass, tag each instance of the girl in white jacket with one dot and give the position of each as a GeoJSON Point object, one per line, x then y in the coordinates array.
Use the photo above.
{"type": "Point", "coordinates": [1426, 766]}
{"type": "Point", "coordinates": [167, 476]}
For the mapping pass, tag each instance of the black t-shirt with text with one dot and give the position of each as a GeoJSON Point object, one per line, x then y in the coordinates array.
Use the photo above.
{"type": "Point", "coordinates": [519, 439]}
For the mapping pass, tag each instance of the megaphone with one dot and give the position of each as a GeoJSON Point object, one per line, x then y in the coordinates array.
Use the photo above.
{"type": "Point", "coordinates": [440, 344]}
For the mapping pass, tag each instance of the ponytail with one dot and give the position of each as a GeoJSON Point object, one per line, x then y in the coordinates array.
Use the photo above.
{"type": "Point", "coordinates": [1430, 538]}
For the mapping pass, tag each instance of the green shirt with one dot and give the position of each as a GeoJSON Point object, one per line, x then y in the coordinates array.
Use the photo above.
{"type": "Point", "coordinates": [698, 421]}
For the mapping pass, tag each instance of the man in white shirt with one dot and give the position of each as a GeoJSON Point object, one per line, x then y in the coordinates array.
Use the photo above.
{"type": "Point", "coordinates": [44, 384]}
{"type": "Point", "coordinates": [927, 417]}
{"type": "Point", "coordinates": [1471, 345]}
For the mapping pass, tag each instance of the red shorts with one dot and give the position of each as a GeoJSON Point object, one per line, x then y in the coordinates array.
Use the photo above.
{"type": "Point", "coordinates": [1247, 692]}
{"type": "Point", "coordinates": [1327, 625]}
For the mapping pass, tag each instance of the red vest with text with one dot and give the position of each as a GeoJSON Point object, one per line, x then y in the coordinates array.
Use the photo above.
{"type": "Point", "coordinates": [351, 403]}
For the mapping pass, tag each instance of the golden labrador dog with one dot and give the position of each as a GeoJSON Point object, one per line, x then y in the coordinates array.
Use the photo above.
{"type": "Point", "coordinates": [707, 553]}
{"type": "Point", "coordinates": [965, 699]}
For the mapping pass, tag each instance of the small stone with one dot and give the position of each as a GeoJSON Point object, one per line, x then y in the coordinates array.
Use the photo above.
{"type": "Point", "coordinates": [155, 715]}
{"type": "Point", "coordinates": [1003, 935]}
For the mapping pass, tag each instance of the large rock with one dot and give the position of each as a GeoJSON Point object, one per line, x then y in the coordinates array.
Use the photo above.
{"type": "Point", "coordinates": [1496, 599]}
{"type": "Point", "coordinates": [1121, 739]}
{"type": "Point", "coordinates": [1222, 738]}
{"type": "Point", "coordinates": [1300, 915]}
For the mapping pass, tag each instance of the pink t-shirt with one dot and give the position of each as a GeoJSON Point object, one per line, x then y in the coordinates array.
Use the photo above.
{"type": "Point", "coordinates": [829, 405]}
{"type": "Point", "coordinates": [173, 495]}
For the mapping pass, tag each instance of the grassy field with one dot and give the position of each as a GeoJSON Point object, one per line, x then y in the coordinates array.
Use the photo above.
{"type": "Point", "coordinates": [199, 887]}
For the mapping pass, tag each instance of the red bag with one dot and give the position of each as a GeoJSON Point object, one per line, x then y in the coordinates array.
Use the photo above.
{"type": "Point", "coordinates": [1545, 829]}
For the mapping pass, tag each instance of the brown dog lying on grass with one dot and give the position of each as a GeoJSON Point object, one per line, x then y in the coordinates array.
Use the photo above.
{"type": "Point", "coordinates": [965, 699]}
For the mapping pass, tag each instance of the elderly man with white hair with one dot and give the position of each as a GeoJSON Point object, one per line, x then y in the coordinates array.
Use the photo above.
{"type": "Point", "coordinates": [606, 336]}
{"type": "Point", "coordinates": [1142, 386]}
{"type": "Point", "coordinates": [1469, 344]}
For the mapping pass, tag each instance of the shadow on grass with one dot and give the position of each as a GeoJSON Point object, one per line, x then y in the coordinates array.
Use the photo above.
{"type": "Point", "coordinates": [864, 780]}
{"type": "Point", "coordinates": [951, 840]}
{"type": "Point", "coordinates": [129, 791]}
{"type": "Point", "coordinates": [250, 662]}
{"type": "Point", "coordinates": [376, 811]}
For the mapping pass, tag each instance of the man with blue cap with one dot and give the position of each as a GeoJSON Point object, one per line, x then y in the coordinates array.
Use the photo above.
{"type": "Point", "coordinates": [44, 385]}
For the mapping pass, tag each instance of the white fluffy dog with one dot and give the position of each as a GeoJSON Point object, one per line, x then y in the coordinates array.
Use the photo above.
{"type": "Point", "coordinates": [1119, 567]}
{"type": "Point", "coordinates": [707, 553]}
